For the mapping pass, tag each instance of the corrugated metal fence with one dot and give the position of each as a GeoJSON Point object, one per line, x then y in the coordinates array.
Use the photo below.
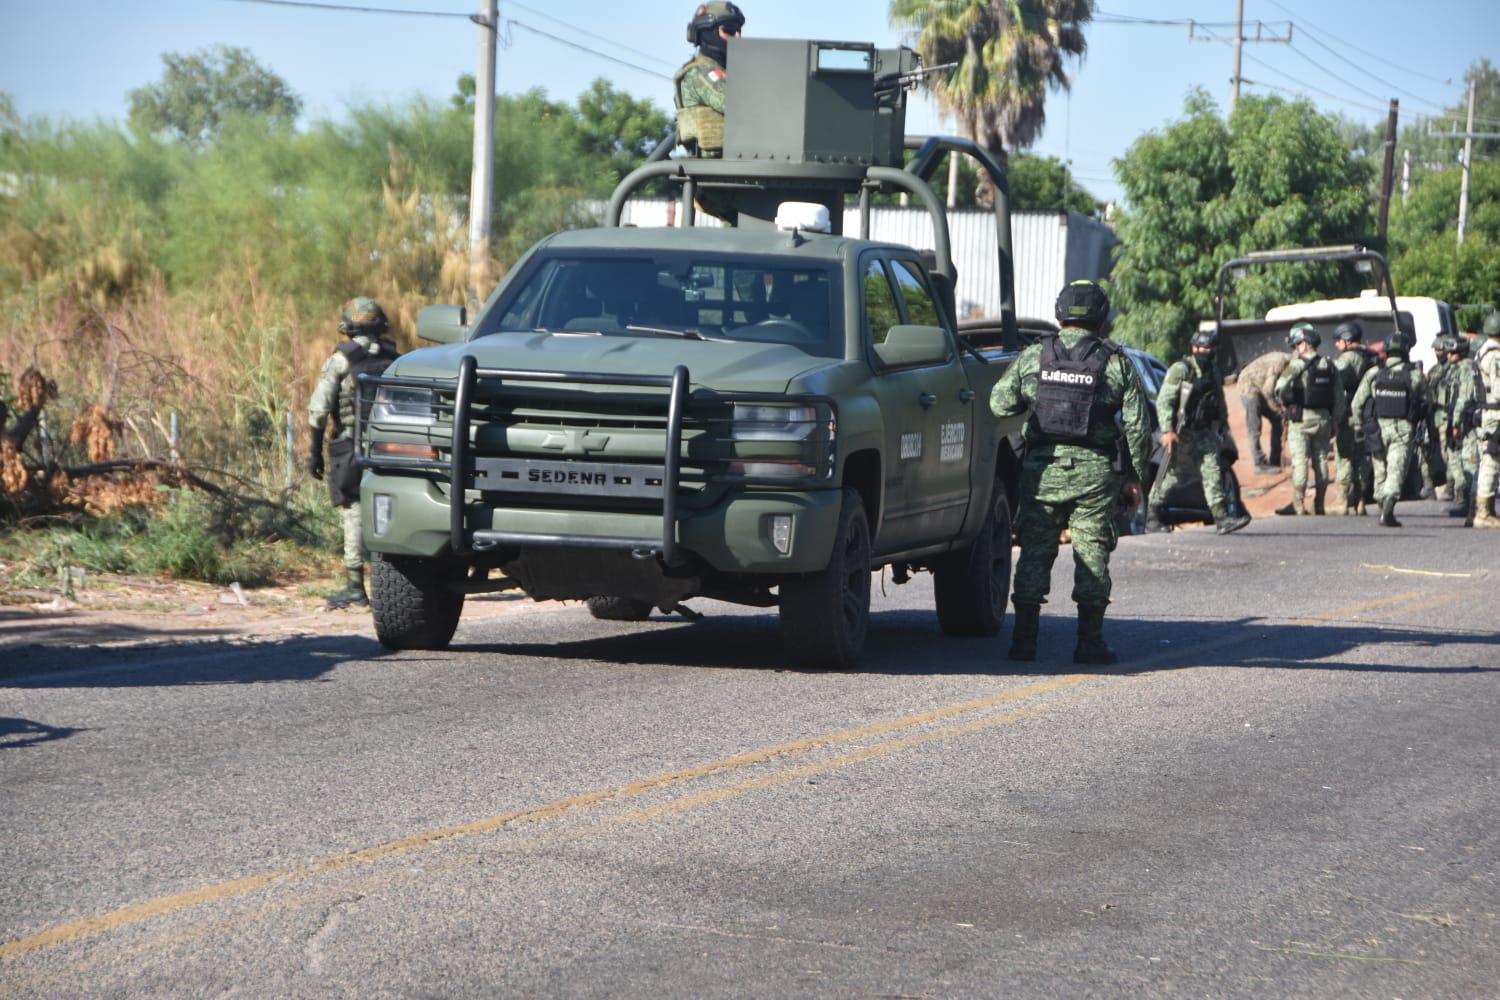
{"type": "Point", "coordinates": [1052, 249]}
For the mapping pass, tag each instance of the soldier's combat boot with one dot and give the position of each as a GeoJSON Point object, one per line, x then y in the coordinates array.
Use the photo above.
{"type": "Point", "coordinates": [1350, 508]}
{"type": "Point", "coordinates": [1024, 631]}
{"type": "Point", "coordinates": [1482, 516]}
{"type": "Point", "coordinates": [1225, 522]}
{"type": "Point", "coordinates": [1091, 646]}
{"type": "Point", "coordinates": [1293, 508]}
{"type": "Point", "coordinates": [353, 595]}
{"type": "Point", "coordinates": [1460, 506]}
{"type": "Point", "coordinates": [1388, 513]}
{"type": "Point", "coordinates": [1154, 524]}
{"type": "Point", "coordinates": [1319, 495]}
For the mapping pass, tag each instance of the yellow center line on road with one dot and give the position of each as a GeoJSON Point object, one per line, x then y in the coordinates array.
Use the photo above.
{"type": "Point", "coordinates": [89, 927]}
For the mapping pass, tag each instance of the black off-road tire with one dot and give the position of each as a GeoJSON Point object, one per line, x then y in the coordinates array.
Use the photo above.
{"type": "Point", "coordinates": [619, 609]}
{"type": "Point", "coordinates": [972, 585]}
{"type": "Point", "coordinates": [413, 602]}
{"type": "Point", "coordinates": [825, 615]}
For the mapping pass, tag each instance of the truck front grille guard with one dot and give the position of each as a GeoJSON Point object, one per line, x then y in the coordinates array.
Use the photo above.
{"type": "Point", "coordinates": [456, 467]}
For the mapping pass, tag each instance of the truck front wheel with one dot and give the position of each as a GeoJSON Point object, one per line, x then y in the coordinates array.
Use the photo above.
{"type": "Point", "coordinates": [972, 585]}
{"type": "Point", "coordinates": [824, 615]}
{"type": "Point", "coordinates": [414, 603]}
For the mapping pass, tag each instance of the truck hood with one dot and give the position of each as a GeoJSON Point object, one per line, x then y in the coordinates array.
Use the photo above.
{"type": "Point", "coordinates": [741, 367]}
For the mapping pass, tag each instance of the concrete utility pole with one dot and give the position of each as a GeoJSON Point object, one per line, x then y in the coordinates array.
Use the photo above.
{"type": "Point", "coordinates": [1463, 192]}
{"type": "Point", "coordinates": [1388, 173]}
{"type": "Point", "coordinates": [482, 182]}
{"type": "Point", "coordinates": [1405, 174]}
{"type": "Point", "coordinates": [1239, 44]}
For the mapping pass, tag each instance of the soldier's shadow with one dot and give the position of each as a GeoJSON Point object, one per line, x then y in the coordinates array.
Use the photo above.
{"type": "Point", "coordinates": [908, 643]}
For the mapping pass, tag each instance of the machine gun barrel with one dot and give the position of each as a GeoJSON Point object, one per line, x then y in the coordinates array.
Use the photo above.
{"type": "Point", "coordinates": [906, 81]}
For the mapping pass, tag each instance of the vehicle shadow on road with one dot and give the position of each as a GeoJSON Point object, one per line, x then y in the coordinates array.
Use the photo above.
{"type": "Point", "coordinates": [295, 660]}
{"type": "Point", "coordinates": [908, 643]}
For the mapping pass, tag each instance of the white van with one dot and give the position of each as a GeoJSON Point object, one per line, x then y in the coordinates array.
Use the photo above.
{"type": "Point", "coordinates": [1425, 318]}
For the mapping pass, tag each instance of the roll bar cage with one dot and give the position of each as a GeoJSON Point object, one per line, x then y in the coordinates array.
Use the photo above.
{"type": "Point", "coordinates": [1352, 253]}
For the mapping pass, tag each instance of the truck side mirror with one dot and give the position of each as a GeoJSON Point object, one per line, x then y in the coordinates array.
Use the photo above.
{"type": "Point", "coordinates": [908, 346]}
{"type": "Point", "coordinates": [443, 324]}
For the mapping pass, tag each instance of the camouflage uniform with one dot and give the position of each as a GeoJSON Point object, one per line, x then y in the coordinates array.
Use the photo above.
{"type": "Point", "coordinates": [335, 398]}
{"type": "Point", "coordinates": [1398, 436]}
{"type": "Point", "coordinates": [1462, 395]}
{"type": "Point", "coordinates": [1350, 470]}
{"type": "Point", "coordinates": [1197, 446]}
{"type": "Point", "coordinates": [1488, 438]}
{"type": "Point", "coordinates": [1072, 485]}
{"type": "Point", "coordinates": [1310, 438]}
{"type": "Point", "coordinates": [1257, 389]}
{"type": "Point", "coordinates": [698, 94]}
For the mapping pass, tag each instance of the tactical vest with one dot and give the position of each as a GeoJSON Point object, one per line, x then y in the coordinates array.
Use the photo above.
{"type": "Point", "coordinates": [361, 362]}
{"type": "Point", "coordinates": [698, 127]}
{"type": "Point", "coordinates": [1067, 403]}
{"type": "Point", "coordinates": [1393, 395]}
{"type": "Point", "coordinates": [1318, 382]}
{"type": "Point", "coordinates": [1197, 403]}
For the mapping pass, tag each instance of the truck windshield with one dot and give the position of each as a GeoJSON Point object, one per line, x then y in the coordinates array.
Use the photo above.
{"type": "Point", "coordinates": [713, 298]}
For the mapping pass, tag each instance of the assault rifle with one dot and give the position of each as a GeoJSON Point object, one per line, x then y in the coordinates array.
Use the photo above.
{"type": "Point", "coordinates": [892, 82]}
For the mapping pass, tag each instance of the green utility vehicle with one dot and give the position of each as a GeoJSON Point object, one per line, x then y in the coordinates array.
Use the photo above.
{"type": "Point", "coordinates": [761, 414]}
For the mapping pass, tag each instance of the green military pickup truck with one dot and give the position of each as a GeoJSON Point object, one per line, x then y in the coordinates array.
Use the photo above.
{"type": "Point", "coordinates": [762, 414]}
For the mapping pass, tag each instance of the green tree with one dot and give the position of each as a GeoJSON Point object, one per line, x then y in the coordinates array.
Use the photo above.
{"type": "Point", "coordinates": [1426, 256]}
{"type": "Point", "coordinates": [617, 127]}
{"type": "Point", "coordinates": [198, 92]}
{"type": "Point", "coordinates": [1203, 191]}
{"type": "Point", "coordinates": [1010, 53]}
{"type": "Point", "coordinates": [1036, 185]}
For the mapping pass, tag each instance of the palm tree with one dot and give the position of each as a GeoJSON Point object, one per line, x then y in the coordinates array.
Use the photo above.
{"type": "Point", "coordinates": [1010, 53]}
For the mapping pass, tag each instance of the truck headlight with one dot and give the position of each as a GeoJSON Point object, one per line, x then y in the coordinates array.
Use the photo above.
{"type": "Point", "coordinates": [770, 422]}
{"type": "Point", "coordinates": [395, 405]}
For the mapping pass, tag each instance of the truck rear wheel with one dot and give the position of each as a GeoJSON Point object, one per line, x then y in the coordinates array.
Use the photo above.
{"type": "Point", "coordinates": [619, 609]}
{"type": "Point", "coordinates": [824, 615]}
{"type": "Point", "coordinates": [972, 585]}
{"type": "Point", "coordinates": [414, 603]}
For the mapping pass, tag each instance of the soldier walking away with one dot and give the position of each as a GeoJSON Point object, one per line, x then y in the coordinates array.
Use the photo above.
{"type": "Point", "coordinates": [1313, 402]}
{"type": "Point", "coordinates": [1075, 382]}
{"type": "Point", "coordinates": [1352, 362]}
{"type": "Point", "coordinates": [366, 352]}
{"type": "Point", "coordinates": [1391, 401]}
{"type": "Point", "coordinates": [1461, 410]}
{"type": "Point", "coordinates": [1194, 419]}
{"type": "Point", "coordinates": [1257, 387]}
{"type": "Point", "coordinates": [1488, 478]}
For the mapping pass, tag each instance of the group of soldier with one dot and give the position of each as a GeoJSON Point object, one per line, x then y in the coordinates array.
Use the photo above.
{"type": "Point", "coordinates": [1088, 439]}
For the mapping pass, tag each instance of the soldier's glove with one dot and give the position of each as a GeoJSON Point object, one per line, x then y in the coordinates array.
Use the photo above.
{"type": "Point", "coordinates": [315, 454]}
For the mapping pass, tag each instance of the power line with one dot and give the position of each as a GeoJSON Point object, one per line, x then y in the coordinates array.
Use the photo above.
{"type": "Point", "coordinates": [1381, 59]}
{"type": "Point", "coordinates": [1327, 72]}
{"type": "Point", "coordinates": [584, 48]}
{"type": "Point", "coordinates": [355, 9]}
{"type": "Point", "coordinates": [589, 34]}
{"type": "Point", "coordinates": [1308, 92]}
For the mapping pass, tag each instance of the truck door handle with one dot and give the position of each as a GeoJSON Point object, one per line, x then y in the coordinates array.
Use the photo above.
{"type": "Point", "coordinates": [927, 399]}
{"type": "Point", "coordinates": [964, 395]}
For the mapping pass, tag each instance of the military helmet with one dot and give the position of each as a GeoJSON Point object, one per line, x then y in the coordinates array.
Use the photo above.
{"type": "Point", "coordinates": [1206, 338]}
{"type": "Point", "coordinates": [1304, 333]}
{"type": "Point", "coordinates": [1461, 345]}
{"type": "Point", "coordinates": [1397, 344]}
{"type": "Point", "coordinates": [716, 14]}
{"type": "Point", "coordinates": [363, 315]}
{"type": "Point", "coordinates": [1444, 342]}
{"type": "Point", "coordinates": [1349, 330]}
{"type": "Point", "coordinates": [1492, 324]}
{"type": "Point", "coordinates": [1083, 302]}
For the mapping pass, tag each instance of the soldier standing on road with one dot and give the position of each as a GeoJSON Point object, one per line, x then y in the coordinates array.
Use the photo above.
{"type": "Point", "coordinates": [1352, 362]}
{"type": "Point", "coordinates": [1194, 419]}
{"type": "Point", "coordinates": [1462, 407]}
{"type": "Point", "coordinates": [366, 352]}
{"type": "Point", "coordinates": [1075, 382]}
{"type": "Point", "coordinates": [1489, 427]}
{"type": "Point", "coordinates": [1391, 401]}
{"type": "Point", "coordinates": [1314, 403]}
{"type": "Point", "coordinates": [1257, 386]}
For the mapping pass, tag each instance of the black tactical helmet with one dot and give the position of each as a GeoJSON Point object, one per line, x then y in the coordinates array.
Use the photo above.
{"type": "Point", "coordinates": [1349, 330]}
{"type": "Point", "coordinates": [1082, 303]}
{"type": "Point", "coordinates": [1304, 333]}
{"type": "Point", "coordinates": [1206, 338]}
{"type": "Point", "coordinates": [363, 315]}
{"type": "Point", "coordinates": [1492, 324]}
{"type": "Point", "coordinates": [1461, 345]}
{"type": "Point", "coordinates": [709, 16]}
{"type": "Point", "coordinates": [1397, 344]}
{"type": "Point", "coordinates": [1444, 342]}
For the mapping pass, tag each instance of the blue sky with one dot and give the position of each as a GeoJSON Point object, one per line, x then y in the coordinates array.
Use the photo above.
{"type": "Point", "coordinates": [78, 59]}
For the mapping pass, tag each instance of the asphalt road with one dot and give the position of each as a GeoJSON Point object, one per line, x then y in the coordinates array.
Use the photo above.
{"type": "Point", "coordinates": [1289, 789]}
